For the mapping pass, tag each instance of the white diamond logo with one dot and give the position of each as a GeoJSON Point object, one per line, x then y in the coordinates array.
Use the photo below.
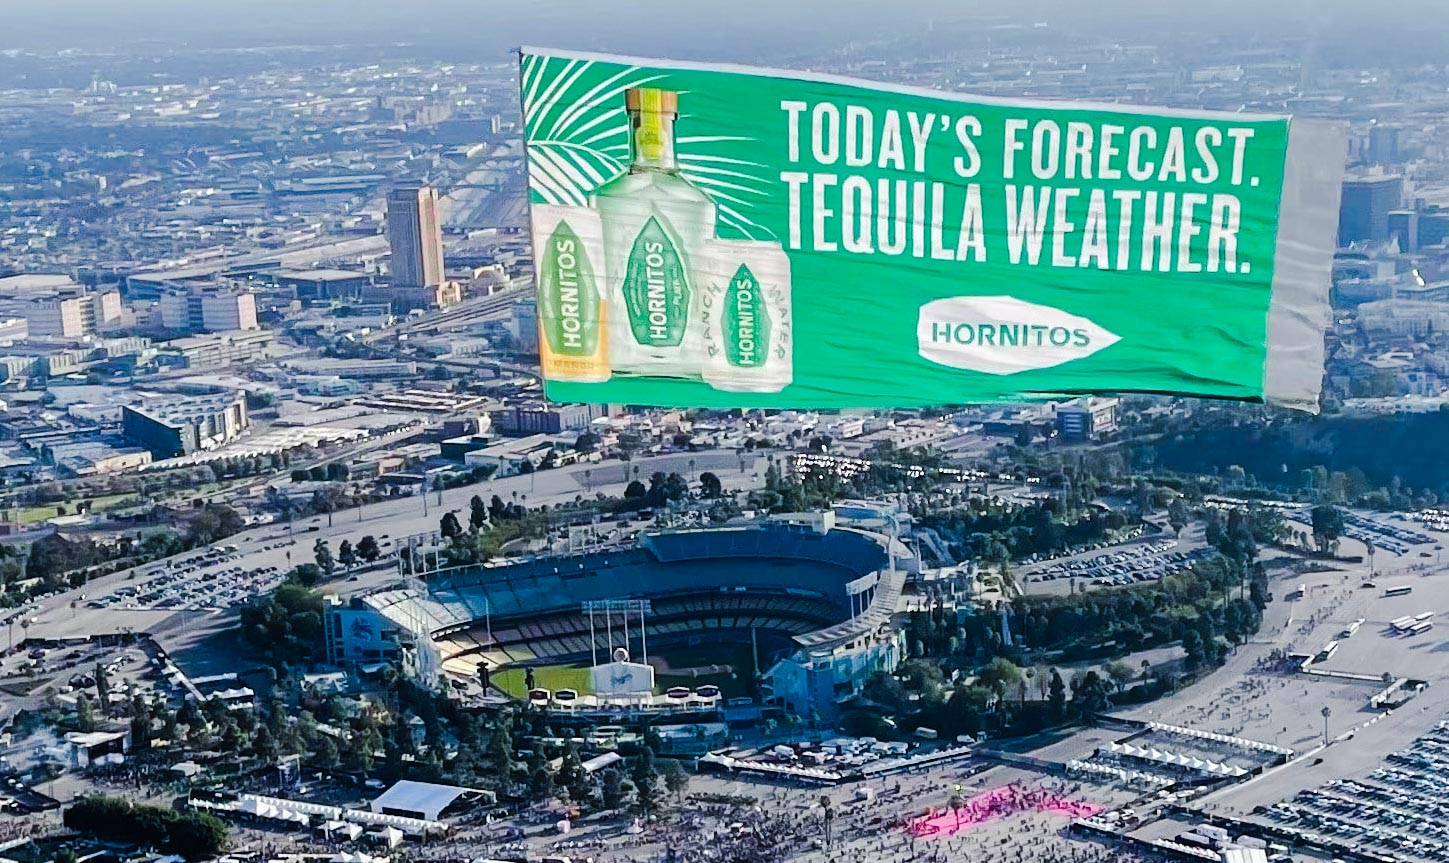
{"type": "Point", "coordinates": [1004, 335]}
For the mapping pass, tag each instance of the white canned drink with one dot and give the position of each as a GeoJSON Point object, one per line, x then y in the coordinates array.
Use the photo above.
{"type": "Point", "coordinates": [745, 316]}
{"type": "Point", "coordinates": [573, 333]}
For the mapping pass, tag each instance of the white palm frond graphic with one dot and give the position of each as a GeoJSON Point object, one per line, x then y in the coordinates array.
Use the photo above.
{"type": "Point", "coordinates": [577, 134]}
{"type": "Point", "coordinates": [575, 126]}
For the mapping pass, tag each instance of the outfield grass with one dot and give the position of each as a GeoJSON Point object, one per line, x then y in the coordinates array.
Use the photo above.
{"type": "Point", "coordinates": [677, 657]}
{"type": "Point", "coordinates": [550, 677]}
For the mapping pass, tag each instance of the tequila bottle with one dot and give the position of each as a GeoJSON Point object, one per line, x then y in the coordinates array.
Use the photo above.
{"type": "Point", "coordinates": [654, 223]}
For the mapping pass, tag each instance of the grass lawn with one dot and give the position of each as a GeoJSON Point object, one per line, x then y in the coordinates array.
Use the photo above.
{"type": "Point", "coordinates": [550, 677]}
{"type": "Point", "coordinates": [37, 514]}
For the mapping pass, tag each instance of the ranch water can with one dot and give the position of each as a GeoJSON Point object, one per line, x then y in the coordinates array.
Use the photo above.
{"type": "Point", "coordinates": [745, 316]}
{"type": "Point", "coordinates": [573, 331]}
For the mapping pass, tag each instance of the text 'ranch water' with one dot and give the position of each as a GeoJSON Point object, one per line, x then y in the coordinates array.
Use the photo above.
{"type": "Point", "coordinates": [745, 316]}
{"type": "Point", "coordinates": [572, 316]}
{"type": "Point", "coordinates": [654, 221]}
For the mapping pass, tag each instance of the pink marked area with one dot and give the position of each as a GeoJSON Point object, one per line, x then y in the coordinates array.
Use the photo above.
{"type": "Point", "coordinates": [998, 803]}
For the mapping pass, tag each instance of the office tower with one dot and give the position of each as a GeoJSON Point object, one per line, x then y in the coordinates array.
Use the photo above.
{"type": "Point", "coordinates": [1363, 213]}
{"type": "Point", "coordinates": [415, 233]}
{"type": "Point", "coordinates": [74, 312]}
{"type": "Point", "coordinates": [1087, 418]}
{"type": "Point", "coordinates": [1404, 225]}
{"type": "Point", "coordinates": [209, 308]}
{"type": "Point", "coordinates": [1383, 145]}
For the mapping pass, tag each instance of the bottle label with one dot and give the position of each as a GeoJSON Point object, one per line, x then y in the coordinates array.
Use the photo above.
{"type": "Point", "coordinates": [568, 297]}
{"type": "Point", "coordinates": [746, 321]}
{"type": "Point", "coordinates": [656, 290]}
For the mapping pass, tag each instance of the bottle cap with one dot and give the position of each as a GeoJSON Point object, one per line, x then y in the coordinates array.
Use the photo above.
{"type": "Point", "coordinates": [651, 99]}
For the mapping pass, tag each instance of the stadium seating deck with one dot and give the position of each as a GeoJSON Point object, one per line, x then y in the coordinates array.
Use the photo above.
{"type": "Point", "coordinates": [777, 578]}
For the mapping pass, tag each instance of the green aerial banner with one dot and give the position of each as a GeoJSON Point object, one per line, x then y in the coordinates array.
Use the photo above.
{"type": "Point", "coordinates": [729, 237]}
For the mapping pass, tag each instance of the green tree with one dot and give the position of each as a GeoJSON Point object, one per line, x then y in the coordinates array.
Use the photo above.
{"type": "Point", "coordinates": [540, 778]}
{"type": "Point", "coordinates": [103, 689]}
{"type": "Point", "coordinates": [1194, 648]}
{"type": "Point", "coordinates": [191, 834]}
{"type": "Point", "coordinates": [323, 555]}
{"type": "Point", "coordinates": [1121, 673]}
{"type": "Point", "coordinates": [324, 752]}
{"type": "Point", "coordinates": [612, 790]}
{"type": "Point", "coordinates": [710, 485]}
{"type": "Point", "coordinates": [644, 773]}
{"type": "Point", "coordinates": [1327, 522]}
{"type": "Point", "coordinates": [1057, 696]}
{"type": "Point", "coordinates": [1177, 516]}
{"type": "Point", "coordinates": [477, 513]}
{"type": "Point", "coordinates": [676, 780]}
{"type": "Point", "coordinates": [346, 555]}
{"type": "Point", "coordinates": [448, 525]}
{"type": "Point", "coordinates": [85, 713]}
{"type": "Point", "coordinates": [1091, 697]}
{"type": "Point", "coordinates": [367, 549]}
{"type": "Point", "coordinates": [571, 776]}
{"type": "Point", "coordinates": [1000, 676]}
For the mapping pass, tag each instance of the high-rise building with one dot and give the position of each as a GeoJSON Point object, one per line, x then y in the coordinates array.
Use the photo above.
{"type": "Point", "coordinates": [1087, 418]}
{"type": "Point", "coordinates": [209, 309]}
{"type": "Point", "coordinates": [1364, 211]}
{"type": "Point", "coordinates": [525, 325]}
{"type": "Point", "coordinates": [1404, 226]}
{"type": "Point", "coordinates": [73, 313]}
{"type": "Point", "coordinates": [415, 233]}
{"type": "Point", "coordinates": [1383, 145]}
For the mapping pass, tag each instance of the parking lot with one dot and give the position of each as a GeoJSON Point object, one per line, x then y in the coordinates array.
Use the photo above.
{"type": "Point", "coordinates": [205, 579]}
{"type": "Point", "coordinates": [1145, 559]}
{"type": "Point", "coordinates": [1401, 808]}
{"type": "Point", "coordinates": [1380, 530]}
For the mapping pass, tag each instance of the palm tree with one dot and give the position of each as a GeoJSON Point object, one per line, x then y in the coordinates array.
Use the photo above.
{"type": "Point", "coordinates": [829, 813]}
{"type": "Point", "coordinates": [1327, 712]}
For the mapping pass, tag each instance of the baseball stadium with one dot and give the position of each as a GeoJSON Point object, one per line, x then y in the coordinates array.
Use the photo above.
{"type": "Point", "coordinates": [798, 614]}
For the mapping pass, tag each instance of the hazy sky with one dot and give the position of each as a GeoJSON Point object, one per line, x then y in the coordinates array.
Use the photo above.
{"type": "Point", "coordinates": [712, 28]}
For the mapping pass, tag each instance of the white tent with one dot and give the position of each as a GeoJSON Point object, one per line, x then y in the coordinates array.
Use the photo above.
{"type": "Point", "coordinates": [342, 828]}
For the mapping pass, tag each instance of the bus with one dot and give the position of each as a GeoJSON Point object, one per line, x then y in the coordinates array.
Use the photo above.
{"type": "Point", "coordinates": [1401, 590]}
{"type": "Point", "coordinates": [1423, 616]}
{"type": "Point", "coordinates": [1349, 630]}
{"type": "Point", "coordinates": [1299, 592]}
{"type": "Point", "coordinates": [1421, 627]}
{"type": "Point", "coordinates": [1402, 624]}
{"type": "Point", "coordinates": [1328, 651]}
